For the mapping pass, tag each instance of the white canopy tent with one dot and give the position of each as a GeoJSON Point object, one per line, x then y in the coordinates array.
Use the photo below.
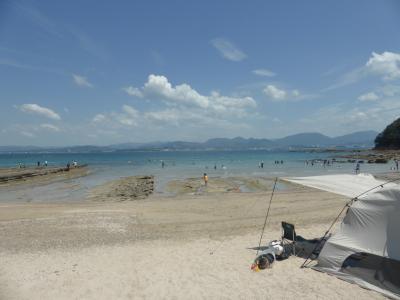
{"type": "Point", "coordinates": [342, 184]}
{"type": "Point", "coordinates": [366, 248]}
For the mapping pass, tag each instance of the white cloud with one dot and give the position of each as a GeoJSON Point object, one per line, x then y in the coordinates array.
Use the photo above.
{"type": "Point", "coordinates": [228, 50]}
{"type": "Point", "coordinates": [50, 127]}
{"type": "Point", "coordinates": [133, 91]}
{"type": "Point", "coordinates": [264, 72]}
{"type": "Point", "coordinates": [386, 64]}
{"type": "Point", "coordinates": [158, 86]}
{"type": "Point", "coordinates": [81, 81]}
{"type": "Point", "coordinates": [368, 97]}
{"type": "Point", "coordinates": [39, 110]}
{"type": "Point", "coordinates": [279, 94]}
{"type": "Point", "coordinates": [130, 111]}
{"type": "Point", "coordinates": [275, 93]}
{"type": "Point", "coordinates": [27, 134]}
{"type": "Point", "coordinates": [128, 117]}
{"type": "Point", "coordinates": [165, 116]}
{"type": "Point", "coordinates": [99, 118]}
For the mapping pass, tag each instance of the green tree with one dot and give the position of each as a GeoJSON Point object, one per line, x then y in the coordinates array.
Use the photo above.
{"type": "Point", "coordinates": [390, 137]}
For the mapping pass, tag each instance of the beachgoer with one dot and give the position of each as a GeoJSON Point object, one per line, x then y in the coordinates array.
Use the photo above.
{"type": "Point", "coordinates": [205, 178]}
{"type": "Point", "coordinates": [357, 168]}
{"type": "Point", "coordinates": [38, 163]}
{"type": "Point", "coordinates": [215, 166]}
{"type": "Point", "coordinates": [68, 166]}
{"type": "Point", "coordinates": [45, 163]}
{"type": "Point", "coordinates": [162, 164]}
{"type": "Point", "coordinates": [397, 164]}
{"type": "Point", "coordinates": [262, 164]}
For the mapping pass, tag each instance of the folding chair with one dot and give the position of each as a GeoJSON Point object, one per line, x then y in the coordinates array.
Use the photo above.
{"type": "Point", "coordinates": [289, 236]}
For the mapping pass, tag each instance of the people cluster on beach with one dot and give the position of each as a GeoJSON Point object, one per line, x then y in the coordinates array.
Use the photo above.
{"type": "Point", "coordinates": [322, 162]}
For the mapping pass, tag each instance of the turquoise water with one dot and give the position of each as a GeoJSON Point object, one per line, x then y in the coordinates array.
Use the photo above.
{"type": "Point", "coordinates": [177, 165]}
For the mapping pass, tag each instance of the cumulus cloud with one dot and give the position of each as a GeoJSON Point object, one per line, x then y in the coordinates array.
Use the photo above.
{"type": "Point", "coordinates": [165, 116]}
{"type": "Point", "coordinates": [128, 117]}
{"type": "Point", "coordinates": [177, 106]}
{"type": "Point", "coordinates": [386, 64]}
{"type": "Point", "coordinates": [264, 72]}
{"type": "Point", "coordinates": [50, 127]}
{"type": "Point", "coordinates": [81, 81]}
{"type": "Point", "coordinates": [158, 86]}
{"type": "Point", "coordinates": [275, 93]}
{"type": "Point", "coordinates": [99, 118]}
{"type": "Point", "coordinates": [228, 50]}
{"type": "Point", "coordinates": [279, 94]}
{"type": "Point", "coordinates": [132, 91]}
{"type": "Point", "coordinates": [39, 110]}
{"type": "Point", "coordinates": [368, 97]}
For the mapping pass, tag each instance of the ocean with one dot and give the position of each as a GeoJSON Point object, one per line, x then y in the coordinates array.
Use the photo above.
{"type": "Point", "coordinates": [177, 165]}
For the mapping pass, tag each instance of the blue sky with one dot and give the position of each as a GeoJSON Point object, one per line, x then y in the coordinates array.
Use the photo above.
{"type": "Point", "coordinates": [102, 72]}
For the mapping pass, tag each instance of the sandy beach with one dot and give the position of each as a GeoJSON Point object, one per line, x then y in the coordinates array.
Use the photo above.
{"type": "Point", "coordinates": [195, 242]}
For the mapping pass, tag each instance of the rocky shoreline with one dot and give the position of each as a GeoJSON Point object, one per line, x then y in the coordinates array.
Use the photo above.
{"type": "Point", "coordinates": [124, 189]}
{"type": "Point", "coordinates": [21, 175]}
{"type": "Point", "coordinates": [371, 156]}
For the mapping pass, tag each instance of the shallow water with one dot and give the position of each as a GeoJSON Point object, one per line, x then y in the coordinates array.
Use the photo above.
{"type": "Point", "coordinates": [177, 165]}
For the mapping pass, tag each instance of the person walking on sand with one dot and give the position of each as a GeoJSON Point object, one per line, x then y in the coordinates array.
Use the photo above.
{"type": "Point", "coordinates": [205, 178]}
{"type": "Point", "coordinates": [397, 164]}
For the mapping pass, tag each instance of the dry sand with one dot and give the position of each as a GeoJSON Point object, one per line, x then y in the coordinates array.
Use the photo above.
{"type": "Point", "coordinates": [160, 247]}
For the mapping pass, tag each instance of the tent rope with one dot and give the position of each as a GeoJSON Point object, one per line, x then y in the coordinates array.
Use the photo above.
{"type": "Point", "coordinates": [245, 214]}
{"type": "Point", "coordinates": [348, 204]}
{"type": "Point", "coordinates": [266, 216]}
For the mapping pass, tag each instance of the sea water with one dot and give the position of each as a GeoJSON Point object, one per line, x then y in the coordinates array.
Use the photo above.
{"type": "Point", "coordinates": [171, 165]}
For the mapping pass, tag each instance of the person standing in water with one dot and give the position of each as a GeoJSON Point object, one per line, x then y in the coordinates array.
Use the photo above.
{"type": "Point", "coordinates": [205, 178]}
{"type": "Point", "coordinates": [357, 168]}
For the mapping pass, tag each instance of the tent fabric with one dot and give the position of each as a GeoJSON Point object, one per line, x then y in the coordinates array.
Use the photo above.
{"type": "Point", "coordinates": [343, 184]}
{"type": "Point", "coordinates": [366, 248]}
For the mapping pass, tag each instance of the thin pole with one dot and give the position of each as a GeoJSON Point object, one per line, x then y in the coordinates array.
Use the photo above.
{"type": "Point", "coordinates": [266, 216]}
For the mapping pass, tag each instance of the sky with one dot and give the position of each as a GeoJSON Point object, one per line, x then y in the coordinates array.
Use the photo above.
{"type": "Point", "coordinates": [107, 72]}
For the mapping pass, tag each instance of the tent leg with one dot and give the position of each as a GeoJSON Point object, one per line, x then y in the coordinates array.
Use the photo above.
{"type": "Point", "coordinates": [294, 245]}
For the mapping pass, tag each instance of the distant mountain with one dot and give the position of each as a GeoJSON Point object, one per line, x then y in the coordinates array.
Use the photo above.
{"type": "Point", "coordinates": [312, 139]}
{"type": "Point", "coordinates": [357, 138]}
{"type": "Point", "coordinates": [71, 149]}
{"type": "Point", "coordinates": [237, 143]}
{"type": "Point", "coordinates": [361, 139]}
